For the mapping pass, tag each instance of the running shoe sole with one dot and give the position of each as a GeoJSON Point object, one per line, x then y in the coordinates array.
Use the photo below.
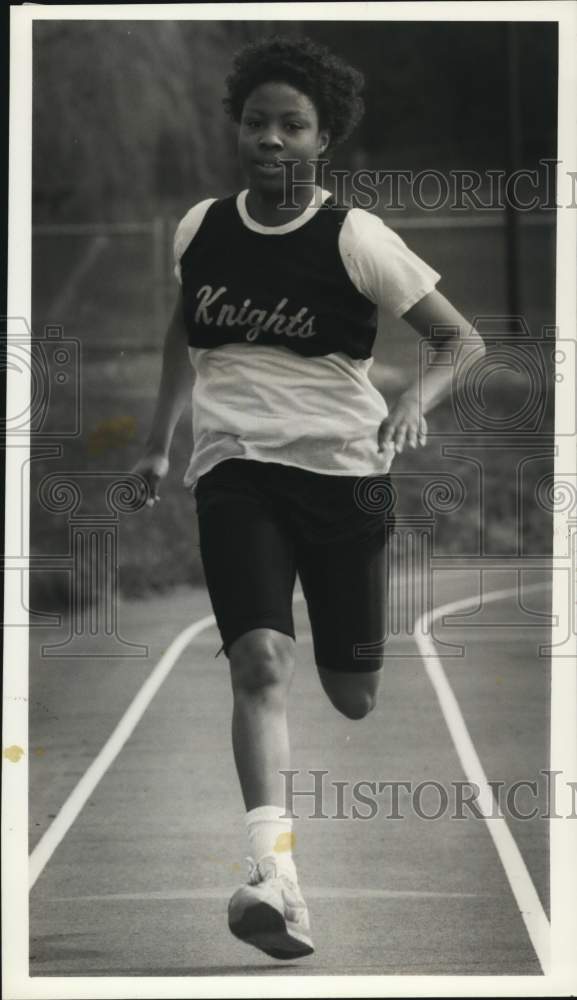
{"type": "Point", "coordinates": [262, 926]}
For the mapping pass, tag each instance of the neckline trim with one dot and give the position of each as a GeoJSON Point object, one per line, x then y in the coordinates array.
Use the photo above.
{"type": "Point", "coordinates": [288, 227]}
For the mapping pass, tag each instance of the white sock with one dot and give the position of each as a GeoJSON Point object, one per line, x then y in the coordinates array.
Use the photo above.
{"type": "Point", "coordinates": [268, 834]}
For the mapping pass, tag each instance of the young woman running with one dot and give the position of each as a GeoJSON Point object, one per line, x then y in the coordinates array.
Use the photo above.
{"type": "Point", "coordinates": [273, 329]}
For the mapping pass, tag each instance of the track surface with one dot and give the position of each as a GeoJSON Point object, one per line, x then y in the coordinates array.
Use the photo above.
{"type": "Point", "coordinates": [139, 884]}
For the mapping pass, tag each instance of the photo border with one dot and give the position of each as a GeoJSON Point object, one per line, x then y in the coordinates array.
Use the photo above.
{"type": "Point", "coordinates": [562, 977]}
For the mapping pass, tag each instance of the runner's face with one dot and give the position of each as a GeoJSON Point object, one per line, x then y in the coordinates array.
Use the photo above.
{"type": "Point", "coordinates": [279, 123]}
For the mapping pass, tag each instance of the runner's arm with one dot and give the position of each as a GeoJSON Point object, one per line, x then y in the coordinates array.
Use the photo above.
{"type": "Point", "coordinates": [176, 382]}
{"type": "Point", "coordinates": [461, 346]}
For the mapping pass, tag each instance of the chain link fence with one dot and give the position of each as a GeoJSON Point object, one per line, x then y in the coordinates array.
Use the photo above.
{"type": "Point", "coordinates": [112, 284]}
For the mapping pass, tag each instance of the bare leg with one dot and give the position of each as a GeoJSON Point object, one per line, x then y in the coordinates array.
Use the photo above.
{"type": "Point", "coordinates": [262, 665]}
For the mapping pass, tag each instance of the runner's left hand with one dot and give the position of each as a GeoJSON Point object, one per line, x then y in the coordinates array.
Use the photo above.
{"type": "Point", "coordinates": [405, 424]}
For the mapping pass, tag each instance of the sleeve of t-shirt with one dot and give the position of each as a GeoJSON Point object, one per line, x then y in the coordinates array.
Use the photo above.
{"type": "Point", "coordinates": [381, 265]}
{"type": "Point", "coordinates": [186, 231]}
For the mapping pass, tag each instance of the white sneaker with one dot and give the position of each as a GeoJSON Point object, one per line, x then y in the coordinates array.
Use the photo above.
{"type": "Point", "coordinates": [270, 912]}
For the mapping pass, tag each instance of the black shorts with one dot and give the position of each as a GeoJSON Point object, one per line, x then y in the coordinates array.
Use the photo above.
{"type": "Point", "coordinates": [261, 523]}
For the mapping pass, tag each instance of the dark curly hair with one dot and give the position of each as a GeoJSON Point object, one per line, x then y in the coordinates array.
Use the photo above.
{"type": "Point", "coordinates": [331, 84]}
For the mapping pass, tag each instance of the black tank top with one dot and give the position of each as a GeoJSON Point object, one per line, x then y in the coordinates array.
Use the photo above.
{"type": "Point", "coordinates": [290, 290]}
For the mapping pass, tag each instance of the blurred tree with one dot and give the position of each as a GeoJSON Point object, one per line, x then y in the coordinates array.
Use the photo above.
{"type": "Point", "coordinates": [128, 120]}
{"type": "Point", "coordinates": [436, 90]}
{"type": "Point", "coordinates": [127, 115]}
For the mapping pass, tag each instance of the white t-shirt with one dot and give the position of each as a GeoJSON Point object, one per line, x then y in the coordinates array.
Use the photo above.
{"type": "Point", "coordinates": [271, 404]}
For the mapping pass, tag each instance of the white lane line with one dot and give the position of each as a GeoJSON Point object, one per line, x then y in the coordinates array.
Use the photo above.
{"type": "Point", "coordinates": [79, 796]}
{"type": "Point", "coordinates": [313, 892]}
{"type": "Point", "coordinates": [511, 858]}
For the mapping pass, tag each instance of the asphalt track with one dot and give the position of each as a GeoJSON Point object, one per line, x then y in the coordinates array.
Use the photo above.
{"type": "Point", "coordinates": [137, 883]}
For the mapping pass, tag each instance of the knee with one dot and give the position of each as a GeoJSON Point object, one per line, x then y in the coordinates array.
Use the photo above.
{"type": "Point", "coordinates": [261, 665]}
{"type": "Point", "coordinates": [353, 695]}
{"type": "Point", "coordinates": [355, 705]}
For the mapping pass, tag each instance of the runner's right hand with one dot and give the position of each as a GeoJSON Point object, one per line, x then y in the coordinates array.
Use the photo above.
{"type": "Point", "coordinates": [152, 467]}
